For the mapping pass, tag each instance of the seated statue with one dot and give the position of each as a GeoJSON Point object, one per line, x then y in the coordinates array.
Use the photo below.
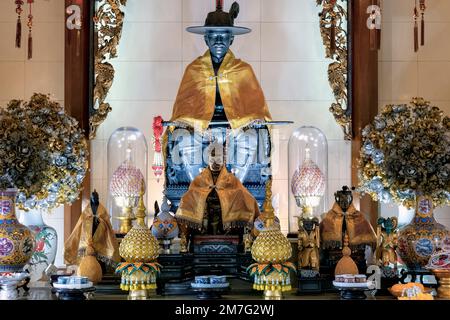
{"type": "Point", "coordinates": [93, 229]}
{"type": "Point", "coordinates": [343, 219]}
{"type": "Point", "coordinates": [219, 99]}
{"type": "Point", "coordinates": [216, 200]}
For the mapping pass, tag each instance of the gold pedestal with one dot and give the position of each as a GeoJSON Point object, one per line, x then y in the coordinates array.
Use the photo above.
{"type": "Point", "coordinates": [138, 295]}
{"type": "Point", "coordinates": [443, 277]}
{"type": "Point", "coordinates": [126, 220]}
{"type": "Point", "coordinates": [273, 295]}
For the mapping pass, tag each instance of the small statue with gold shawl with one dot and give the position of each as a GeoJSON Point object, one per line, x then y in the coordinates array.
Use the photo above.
{"type": "Point", "coordinates": [216, 200]}
{"type": "Point", "coordinates": [92, 240]}
{"type": "Point", "coordinates": [343, 219]}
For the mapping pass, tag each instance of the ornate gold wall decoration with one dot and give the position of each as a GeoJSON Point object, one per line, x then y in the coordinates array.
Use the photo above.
{"type": "Point", "coordinates": [108, 30]}
{"type": "Point", "coordinates": [333, 22]}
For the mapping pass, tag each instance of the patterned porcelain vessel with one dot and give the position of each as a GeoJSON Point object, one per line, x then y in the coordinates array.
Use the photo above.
{"type": "Point", "coordinates": [16, 240]}
{"type": "Point", "coordinates": [416, 240]}
{"type": "Point", "coordinates": [46, 244]}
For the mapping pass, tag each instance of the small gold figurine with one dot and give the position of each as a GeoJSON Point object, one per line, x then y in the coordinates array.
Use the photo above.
{"type": "Point", "coordinates": [387, 242]}
{"type": "Point", "coordinates": [308, 243]}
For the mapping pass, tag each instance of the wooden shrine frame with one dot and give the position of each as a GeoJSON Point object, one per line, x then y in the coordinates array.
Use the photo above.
{"type": "Point", "coordinates": [80, 91]}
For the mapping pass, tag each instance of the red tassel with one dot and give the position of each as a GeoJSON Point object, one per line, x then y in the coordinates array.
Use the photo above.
{"type": "Point", "coordinates": [30, 46]}
{"type": "Point", "coordinates": [18, 33]}
{"type": "Point", "coordinates": [19, 10]}
{"type": "Point", "coordinates": [416, 29]}
{"type": "Point", "coordinates": [30, 27]}
{"type": "Point", "coordinates": [416, 37]}
{"type": "Point", "coordinates": [423, 7]}
{"type": "Point", "coordinates": [422, 31]}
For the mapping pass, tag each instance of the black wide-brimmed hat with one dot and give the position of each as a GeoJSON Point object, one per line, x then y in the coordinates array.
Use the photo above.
{"type": "Point", "coordinates": [221, 21]}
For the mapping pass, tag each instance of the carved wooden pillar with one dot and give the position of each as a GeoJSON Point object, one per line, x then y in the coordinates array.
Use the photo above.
{"type": "Point", "coordinates": [365, 91]}
{"type": "Point", "coordinates": [77, 90]}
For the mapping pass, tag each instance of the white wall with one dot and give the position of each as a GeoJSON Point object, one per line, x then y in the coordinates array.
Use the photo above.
{"type": "Point", "coordinates": [20, 77]}
{"type": "Point", "coordinates": [405, 74]}
{"type": "Point", "coordinates": [284, 48]}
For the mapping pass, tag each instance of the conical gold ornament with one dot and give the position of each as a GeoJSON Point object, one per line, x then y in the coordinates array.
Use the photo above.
{"type": "Point", "coordinates": [271, 246]}
{"type": "Point", "coordinates": [140, 249]}
{"type": "Point", "coordinates": [271, 249]}
{"type": "Point", "coordinates": [139, 245]}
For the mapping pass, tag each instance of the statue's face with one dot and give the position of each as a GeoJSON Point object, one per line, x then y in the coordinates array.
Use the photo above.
{"type": "Point", "coordinates": [216, 155]}
{"type": "Point", "coordinates": [344, 200]}
{"type": "Point", "coordinates": [215, 162]}
{"type": "Point", "coordinates": [218, 42]}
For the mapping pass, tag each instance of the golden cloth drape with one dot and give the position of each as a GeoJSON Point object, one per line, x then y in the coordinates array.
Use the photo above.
{"type": "Point", "coordinates": [104, 240]}
{"type": "Point", "coordinates": [239, 207]}
{"type": "Point", "coordinates": [359, 230]}
{"type": "Point", "coordinates": [241, 94]}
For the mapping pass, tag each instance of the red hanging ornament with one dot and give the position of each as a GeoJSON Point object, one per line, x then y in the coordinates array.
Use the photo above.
{"type": "Point", "coordinates": [422, 23]}
{"type": "Point", "coordinates": [19, 10]}
{"type": "Point", "coordinates": [30, 27]}
{"type": "Point", "coordinates": [157, 166]}
{"type": "Point", "coordinates": [416, 29]}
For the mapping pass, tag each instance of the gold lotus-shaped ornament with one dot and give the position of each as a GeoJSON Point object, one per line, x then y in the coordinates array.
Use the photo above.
{"type": "Point", "coordinates": [271, 246]}
{"type": "Point", "coordinates": [139, 245]}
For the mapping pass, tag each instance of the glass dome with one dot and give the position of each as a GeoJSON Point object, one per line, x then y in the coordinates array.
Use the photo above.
{"type": "Point", "coordinates": [308, 175]}
{"type": "Point", "coordinates": [127, 176]}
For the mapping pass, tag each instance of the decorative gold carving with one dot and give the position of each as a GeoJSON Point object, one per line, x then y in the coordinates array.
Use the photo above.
{"type": "Point", "coordinates": [333, 21]}
{"type": "Point", "coordinates": [108, 24]}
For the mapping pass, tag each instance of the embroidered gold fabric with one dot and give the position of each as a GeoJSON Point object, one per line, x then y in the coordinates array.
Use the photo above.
{"type": "Point", "coordinates": [241, 94]}
{"type": "Point", "coordinates": [359, 230]}
{"type": "Point", "coordinates": [104, 240]}
{"type": "Point", "coordinates": [238, 206]}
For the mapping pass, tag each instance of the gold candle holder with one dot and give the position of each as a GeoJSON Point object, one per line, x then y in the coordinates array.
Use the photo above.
{"type": "Point", "coordinates": [126, 220]}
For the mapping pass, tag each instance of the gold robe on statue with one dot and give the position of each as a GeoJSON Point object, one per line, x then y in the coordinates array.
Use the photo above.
{"type": "Point", "coordinates": [104, 240]}
{"type": "Point", "coordinates": [238, 206]}
{"type": "Point", "coordinates": [241, 94]}
{"type": "Point", "coordinates": [360, 231]}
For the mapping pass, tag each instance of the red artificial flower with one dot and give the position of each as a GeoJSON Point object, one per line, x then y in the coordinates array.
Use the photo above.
{"type": "Point", "coordinates": [40, 246]}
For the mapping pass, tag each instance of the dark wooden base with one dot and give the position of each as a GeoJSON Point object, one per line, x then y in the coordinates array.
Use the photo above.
{"type": "Point", "coordinates": [72, 294]}
{"type": "Point", "coordinates": [353, 294]}
{"type": "Point", "coordinates": [177, 269]}
{"type": "Point", "coordinates": [210, 294]}
{"type": "Point", "coordinates": [309, 286]}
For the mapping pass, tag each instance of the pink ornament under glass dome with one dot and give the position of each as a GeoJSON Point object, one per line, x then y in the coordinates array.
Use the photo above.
{"type": "Point", "coordinates": [308, 175]}
{"type": "Point", "coordinates": [127, 169]}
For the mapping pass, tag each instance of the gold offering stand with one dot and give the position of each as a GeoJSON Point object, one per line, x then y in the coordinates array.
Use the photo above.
{"type": "Point", "coordinates": [443, 278]}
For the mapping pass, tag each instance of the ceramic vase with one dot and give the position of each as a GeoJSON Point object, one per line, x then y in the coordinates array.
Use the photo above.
{"type": "Point", "coordinates": [16, 240]}
{"type": "Point", "coordinates": [416, 240]}
{"type": "Point", "coordinates": [46, 241]}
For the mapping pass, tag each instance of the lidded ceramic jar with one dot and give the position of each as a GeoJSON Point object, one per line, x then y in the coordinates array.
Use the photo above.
{"type": "Point", "coordinates": [16, 241]}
